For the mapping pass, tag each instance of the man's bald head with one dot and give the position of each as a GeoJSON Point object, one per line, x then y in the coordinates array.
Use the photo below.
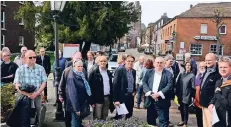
{"type": "Point", "coordinates": [210, 60]}
{"type": "Point", "coordinates": [76, 56]}
{"type": "Point", "coordinates": [30, 57]}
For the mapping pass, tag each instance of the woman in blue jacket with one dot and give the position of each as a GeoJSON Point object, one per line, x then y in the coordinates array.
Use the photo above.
{"type": "Point", "coordinates": [78, 92]}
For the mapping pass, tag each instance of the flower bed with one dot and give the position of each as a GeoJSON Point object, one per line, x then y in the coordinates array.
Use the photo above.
{"type": "Point", "coordinates": [7, 101]}
{"type": "Point", "coordinates": [131, 122]}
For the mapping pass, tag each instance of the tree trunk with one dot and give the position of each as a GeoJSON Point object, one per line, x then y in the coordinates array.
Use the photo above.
{"type": "Point", "coordinates": [85, 49]}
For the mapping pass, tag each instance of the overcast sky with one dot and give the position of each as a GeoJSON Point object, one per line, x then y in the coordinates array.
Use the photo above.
{"type": "Point", "coordinates": [152, 10]}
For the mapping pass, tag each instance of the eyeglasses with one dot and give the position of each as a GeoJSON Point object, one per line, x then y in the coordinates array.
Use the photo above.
{"type": "Point", "coordinates": [5, 55]}
{"type": "Point", "coordinates": [159, 62]}
{"type": "Point", "coordinates": [24, 50]}
{"type": "Point", "coordinates": [130, 61]}
{"type": "Point", "coordinates": [32, 57]}
{"type": "Point", "coordinates": [79, 66]}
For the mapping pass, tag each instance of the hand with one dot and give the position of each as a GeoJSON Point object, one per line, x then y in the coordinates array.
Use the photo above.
{"type": "Point", "coordinates": [93, 105]}
{"type": "Point", "coordinates": [117, 103]}
{"type": "Point", "coordinates": [61, 100]}
{"type": "Point", "coordinates": [211, 107]}
{"type": "Point", "coordinates": [217, 89]}
{"type": "Point", "coordinates": [134, 93]}
{"type": "Point", "coordinates": [78, 113]}
{"type": "Point", "coordinates": [154, 97]}
{"type": "Point", "coordinates": [34, 95]}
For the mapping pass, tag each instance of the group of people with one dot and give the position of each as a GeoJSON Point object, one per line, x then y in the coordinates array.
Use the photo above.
{"type": "Point", "coordinates": [88, 82]}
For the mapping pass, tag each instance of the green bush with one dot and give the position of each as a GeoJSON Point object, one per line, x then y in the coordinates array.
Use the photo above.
{"type": "Point", "coordinates": [7, 100]}
{"type": "Point", "coordinates": [131, 122]}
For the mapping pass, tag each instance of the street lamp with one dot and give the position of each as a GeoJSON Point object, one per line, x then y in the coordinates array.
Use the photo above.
{"type": "Point", "coordinates": [56, 7]}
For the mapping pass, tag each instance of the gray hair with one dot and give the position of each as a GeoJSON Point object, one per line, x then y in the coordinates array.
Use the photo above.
{"type": "Point", "coordinates": [168, 57]}
{"type": "Point", "coordinates": [77, 62]}
{"type": "Point", "coordinates": [225, 59]}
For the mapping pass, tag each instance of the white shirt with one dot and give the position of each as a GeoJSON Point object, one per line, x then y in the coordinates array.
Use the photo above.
{"type": "Point", "coordinates": [89, 65]}
{"type": "Point", "coordinates": [156, 84]}
{"type": "Point", "coordinates": [138, 67]}
{"type": "Point", "coordinates": [106, 84]}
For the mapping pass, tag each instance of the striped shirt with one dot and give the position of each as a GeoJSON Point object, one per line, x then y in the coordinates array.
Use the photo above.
{"type": "Point", "coordinates": [31, 76]}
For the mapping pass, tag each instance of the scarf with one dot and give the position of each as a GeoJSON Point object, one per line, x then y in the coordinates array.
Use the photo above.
{"type": "Point", "coordinates": [87, 87]}
{"type": "Point", "coordinates": [226, 83]}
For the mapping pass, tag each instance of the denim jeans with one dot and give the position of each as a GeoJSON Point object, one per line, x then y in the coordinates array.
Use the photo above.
{"type": "Point", "coordinates": [139, 96]}
{"type": "Point", "coordinates": [76, 120]}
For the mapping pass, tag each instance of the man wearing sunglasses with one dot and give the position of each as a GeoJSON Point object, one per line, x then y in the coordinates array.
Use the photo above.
{"type": "Point", "coordinates": [30, 74]}
{"type": "Point", "coordinates": [8, 68]}
{"type": "Point", "coordinates": [20, 60]}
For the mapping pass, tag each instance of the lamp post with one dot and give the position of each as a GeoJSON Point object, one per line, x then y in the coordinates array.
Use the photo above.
{"type": "Point", "coordinates": [56, 7]}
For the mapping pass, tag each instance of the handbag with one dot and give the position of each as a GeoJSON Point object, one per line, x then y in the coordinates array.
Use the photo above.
{"type": "Point", "coordinates": [85, 110]}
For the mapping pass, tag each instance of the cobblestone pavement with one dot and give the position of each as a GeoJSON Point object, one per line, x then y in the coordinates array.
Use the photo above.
{"type": "Point", "coordinates": [140, 113]}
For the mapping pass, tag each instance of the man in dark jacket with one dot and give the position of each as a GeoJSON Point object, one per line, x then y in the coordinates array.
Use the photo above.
{"type": "Point", "coordinates": [207, 88]}
{"type": "Point", "coordinates": [157, 84]}
{"type": "Point", "coordinates": [44, 60]}
{"type": "Point", "coordinates": [222, 96]}
{"type": "Point", "coordinates": [100, 81]}
{"type": "Point", "coordinates": [124, 86]}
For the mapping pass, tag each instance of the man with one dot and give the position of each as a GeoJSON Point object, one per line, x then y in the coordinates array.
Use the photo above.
{"type": "Point", "coordinates": [20, 60]}
{"type": "Point", "coordinates": [62, 85]}
{"type": "Point", "coordinates": [75, 56]}
{"type": "Point", "coordinates": [138, 66]}
{"type": "Point", "coordinates": [90, 61]}
{"type": "Point", "coordinates": [100, 81]}
{"type": "Point", "coordinates": [207, 88]}
{"type": "Point", "coordinates": [44, 60]}
{"type": "Point", "coordinates": [124, 87]}
{"type": "Point", "coordinates": [222, 96]}
{"type": "Point", "coordinates": [157, 85]}
{"type": "Point", "coordinates": [31, 74]}
{"type": "Point", "coordinates": [8, 68]}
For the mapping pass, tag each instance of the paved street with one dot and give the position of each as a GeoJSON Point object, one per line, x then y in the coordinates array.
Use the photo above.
{"type": "Point", "coordinates": [140, 113]}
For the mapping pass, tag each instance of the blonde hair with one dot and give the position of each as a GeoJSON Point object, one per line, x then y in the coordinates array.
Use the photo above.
{"type": "Point", "coordinates": [225, 59]}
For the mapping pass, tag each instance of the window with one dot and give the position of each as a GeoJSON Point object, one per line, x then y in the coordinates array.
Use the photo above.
{"type": "Point", "coordinates": [22, 2]}
{"type": "Point", "coordinates": [196, 49]}
{"type": "Point", "coordinates": [213, 49]}
{"type": "Point", "coordinates": [3, 22]}
{"type": "Point", "coordinates": [222, 29]}
{"type": "Point", "coordinates": [174, 27]}
{"type": "Point", "coordinates": [3, 40]}
{"type": "Point", "coordinates": [204, 28]}
{"type": "Point", "coordinates": [170, 30]}
{"type": "Point", "coordinates": [21, 40]}
{"type": "Point", "coordinates": [3, 3]}
{"type": "Point", "coordinates": [21, 22]}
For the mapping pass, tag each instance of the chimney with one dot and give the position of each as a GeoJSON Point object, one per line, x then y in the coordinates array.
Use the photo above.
{"type": "Point", "coordinates": [191, 6]}
{"type": "Point", "coordinates": [165, 14]}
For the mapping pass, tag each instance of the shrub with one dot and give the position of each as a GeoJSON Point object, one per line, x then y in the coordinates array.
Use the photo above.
{"type": "Point", "coordinates": [131, 122]}
{"type": "Point", "coordinates": [7, 101]}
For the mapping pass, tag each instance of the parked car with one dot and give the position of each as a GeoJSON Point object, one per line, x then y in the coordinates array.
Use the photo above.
{"type": "Point", "coordinates": [148, 51]}
{"type": "Point", "coordinates": [112, 63]}
{"type": "Point", "coordinates": [122, 49]}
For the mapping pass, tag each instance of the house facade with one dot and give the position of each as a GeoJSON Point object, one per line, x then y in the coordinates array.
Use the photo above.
{"type": "Point", "coordinates": [13, 34]}
{"type": "Point", "coordinates": [194, 31]}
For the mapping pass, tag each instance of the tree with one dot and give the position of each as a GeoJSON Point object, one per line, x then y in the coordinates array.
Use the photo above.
{"type": "Point", "coordinates": [99, 22]}
{"type": "Point", "coordinates": [218, 17]}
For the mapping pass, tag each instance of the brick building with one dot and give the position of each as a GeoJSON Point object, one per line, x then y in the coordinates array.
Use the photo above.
{"type": "Point", "coordinates": [13, 34]}
{"type": "Point", "coordinates": [195, 31]}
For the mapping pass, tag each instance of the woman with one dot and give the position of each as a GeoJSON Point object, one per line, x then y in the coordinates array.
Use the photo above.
{"type": "Point", "coordinates": [148, 65]}
{"type": "Point", "coordinates": [78, 91]}
{"type": "Point", "coordinates": [198, 107]}
{"type": "Point", "coordinates": [185, 90]}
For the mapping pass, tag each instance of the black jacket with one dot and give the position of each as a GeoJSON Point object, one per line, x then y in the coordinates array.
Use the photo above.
{"type": "Point", "coordinates": [45, 63]}
{"type": "Point", "coordinates": [120, 84]}
{"type": "Point", "coordinates": [222, 102]}
{"type": "Point", "coordinates": [207, 89]}
{"type": "Point", "coordinates": [165, 85]}
{"type": "Point", "coordinates": [185, 87]}
{"type": "Point", "coordinates": [97, 87]}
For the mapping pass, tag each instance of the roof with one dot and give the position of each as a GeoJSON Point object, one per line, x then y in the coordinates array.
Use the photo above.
{"type": "Point", "coordinates": [206, 10]}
